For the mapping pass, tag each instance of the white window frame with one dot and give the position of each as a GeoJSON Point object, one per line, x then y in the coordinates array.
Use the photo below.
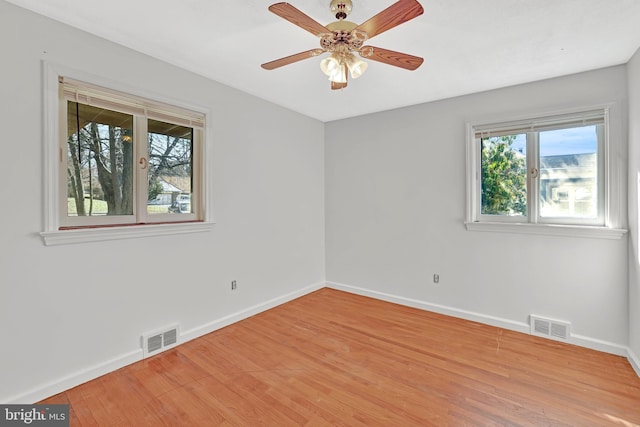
{"type": "Point", "coordinates": [608, 223]}
{"type": "Point", "coordinates": [55, 227]}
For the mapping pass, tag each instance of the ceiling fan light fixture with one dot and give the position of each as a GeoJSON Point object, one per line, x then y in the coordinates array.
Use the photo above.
{"type": "Point", "coordinates": [340, 76]}
{"type": "Point", "coordinates": [337, 74]}
{"type": "Point", "coordinates": [331, 65]}
{"type": "Point", "coordinates": [356, 66]}
{"type": "Point", "coordinates": [342, 39]}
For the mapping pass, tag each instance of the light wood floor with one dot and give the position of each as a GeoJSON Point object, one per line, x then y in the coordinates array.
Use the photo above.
{"type": "Point", "coordinates": [336, 359]}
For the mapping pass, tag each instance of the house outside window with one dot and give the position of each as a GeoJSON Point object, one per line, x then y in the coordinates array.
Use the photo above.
{"type": "Point", "coordinates": [119, 150]}
{"type": "Point", "coordinates": [549, 171]}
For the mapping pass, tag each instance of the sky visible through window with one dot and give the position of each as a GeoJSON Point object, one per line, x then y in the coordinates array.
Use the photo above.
{"type": "Point", "coordinates": [577, 140]}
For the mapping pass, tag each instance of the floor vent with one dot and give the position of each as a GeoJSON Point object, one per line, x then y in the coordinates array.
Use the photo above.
{"type": "Point", "coordinates": [156, 342]}
{"type": "Point", "coordinates": [549, 328]}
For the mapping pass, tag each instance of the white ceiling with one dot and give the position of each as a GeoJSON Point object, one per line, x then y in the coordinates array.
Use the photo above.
{"type": "Point", "coordinates": [468, 45]}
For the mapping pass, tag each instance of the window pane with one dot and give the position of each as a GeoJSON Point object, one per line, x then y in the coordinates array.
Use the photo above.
{"type": "Point", "coordinates": [170, 168]}
{"type": "Point", "coordinates": [99, 161]}
{"type": "Point", "coordinates": [569, 173]}
{"type": "Point", "coordinates": [504, 175]}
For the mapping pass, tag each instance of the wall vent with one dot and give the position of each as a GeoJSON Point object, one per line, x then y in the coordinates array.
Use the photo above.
{"type": "Point", "coordinates": [549, 328]}
{"type": "Point", "coordinates": [158, 341]}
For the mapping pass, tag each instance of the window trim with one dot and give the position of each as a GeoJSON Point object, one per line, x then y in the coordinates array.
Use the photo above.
{"type": "Point", "coordinates": [612, 180]}
{"type": "Point", "coordinates": [52, 234]}
{"type": "Point", "coordinates": [548, 229]}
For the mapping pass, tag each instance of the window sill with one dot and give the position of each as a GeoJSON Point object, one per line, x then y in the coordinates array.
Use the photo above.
{"type": "Point", "coordinates": [549, 229]}
{"type": "Point", "coordinates": [99, 234]}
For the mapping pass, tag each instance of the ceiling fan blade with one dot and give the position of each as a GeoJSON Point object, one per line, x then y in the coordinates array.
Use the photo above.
{"type": "Point", "coordinates": [396, 14]}
{"type": "Point", "coordinates": [336, 85]}
{"type": "Point", "coordinates": [295, 16]}
{"type": "Point", "coordinates": [397, 59]}
{"type": "Point", "coordinates": [291, 59]}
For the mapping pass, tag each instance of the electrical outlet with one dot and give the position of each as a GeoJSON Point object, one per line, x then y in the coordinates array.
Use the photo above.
{"type": "Point", "coordinates": [436, 278]}
{"type": "Point", "coordinates": [233, 285]}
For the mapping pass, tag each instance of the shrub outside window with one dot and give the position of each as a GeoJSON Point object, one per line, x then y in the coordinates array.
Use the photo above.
{"type": "Point", "coordinates": [547, 171]}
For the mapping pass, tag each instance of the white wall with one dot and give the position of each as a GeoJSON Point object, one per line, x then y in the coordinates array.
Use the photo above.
{"type": "Point", "coordinates": [66, 309]}
{"type": "Point", "coordinates": [395, 207]}
{"type": "Point", "coordinates": [395, 201]}
{"type": "Point", "coordinates": [633, 72]}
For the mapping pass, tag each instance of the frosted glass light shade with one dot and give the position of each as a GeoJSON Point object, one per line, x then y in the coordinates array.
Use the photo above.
{"type": "Point", "coordinates": [356, 66]}
{"type": "Point", "coordinates": [340, 76]}
{"type": "Point", "coordinates": [331, 65]}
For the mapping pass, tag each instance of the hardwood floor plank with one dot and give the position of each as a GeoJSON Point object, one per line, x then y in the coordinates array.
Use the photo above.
{"type": "Point", "coordinates": [335, 359]}
{"type": "Point", "coordinates": [63, 399]}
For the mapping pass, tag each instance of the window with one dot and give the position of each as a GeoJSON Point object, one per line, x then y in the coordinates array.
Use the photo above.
{"type": "Point", "coordinates": [121, 160]}
{"type": "Point", "coordinates": [548, 171]}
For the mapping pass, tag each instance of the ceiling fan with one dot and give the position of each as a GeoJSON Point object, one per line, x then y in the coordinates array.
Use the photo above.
{"type": "Point", "coordinates": [343, 39]}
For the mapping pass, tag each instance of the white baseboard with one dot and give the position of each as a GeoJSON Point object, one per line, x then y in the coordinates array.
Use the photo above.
{"type": "Point", "coordinates": [579, 340]}
{"type": "Point", "coordinates": [634, 361]}
{"type": "Point", "coordinates": [248, 312]}
{"type": "Point", "coordinates": [84, 375]}
{"type": "Point", "coordinates": [75, 379]}
{"type": "Point", "coordinates": [436, 308]}
{"type": "Point", "coordinates": [46, 390]}
{"type": "Point", "coordinates": [599, 345]}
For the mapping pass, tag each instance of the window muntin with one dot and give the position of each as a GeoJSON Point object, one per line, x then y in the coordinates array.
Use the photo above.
{"type": "Point", "coordinates": [547, 171]}
{"type": "Point", "coordinates": [136, 161]}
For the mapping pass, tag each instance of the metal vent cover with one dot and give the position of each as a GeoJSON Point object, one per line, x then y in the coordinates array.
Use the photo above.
{"type": "Point", "coordinates": [154, 343]}
{"type": "Point", "coordinates": [549, 328]}
{"type": "Point", "coordinates": [559, 330]}
{"type": "Point", "coordinates": [158, 341]}
{"type": "Point", "coordinates": [170, 337]}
